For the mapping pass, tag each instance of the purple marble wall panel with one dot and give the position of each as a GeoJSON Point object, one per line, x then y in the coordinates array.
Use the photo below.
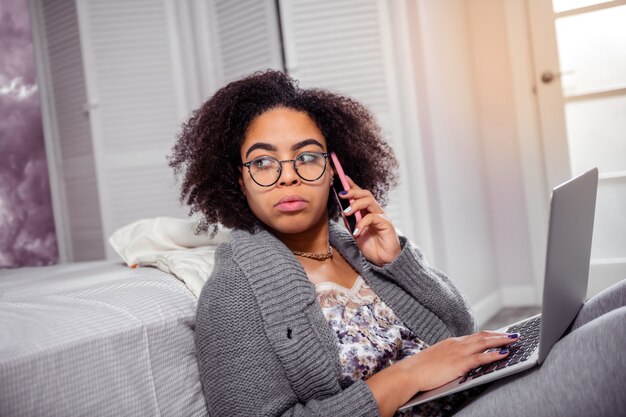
{"type": "Point", "coordinates": [27, 233]}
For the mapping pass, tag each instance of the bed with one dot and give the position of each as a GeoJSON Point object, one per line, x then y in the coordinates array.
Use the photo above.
{"type": "Point", "coordinates": [98, 338]}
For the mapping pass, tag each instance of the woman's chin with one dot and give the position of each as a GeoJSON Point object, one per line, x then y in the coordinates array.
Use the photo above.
{"type": "Point", "coordinates": [295, 227]}
{"type": "Point", "coordinates": [291, 225]}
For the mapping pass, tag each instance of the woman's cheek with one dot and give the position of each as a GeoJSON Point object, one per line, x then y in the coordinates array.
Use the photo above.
{"type": "Point", "coordinates": [258, 207]}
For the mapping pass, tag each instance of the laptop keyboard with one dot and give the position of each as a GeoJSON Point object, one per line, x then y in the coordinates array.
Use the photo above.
{"type": "Point", "coordinates": [519, 351]}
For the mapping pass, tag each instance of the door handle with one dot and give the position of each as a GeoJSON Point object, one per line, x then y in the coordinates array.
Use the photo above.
{"type": "Point", "coordinates": [548, 76]}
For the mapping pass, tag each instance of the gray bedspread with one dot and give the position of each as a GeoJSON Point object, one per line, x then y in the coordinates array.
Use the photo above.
{"type": "Point", "coordinates": [97, 339]}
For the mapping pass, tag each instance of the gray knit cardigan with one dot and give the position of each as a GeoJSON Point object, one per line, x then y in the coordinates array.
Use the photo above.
{"type": "Point", "coordinates": [264, 347]}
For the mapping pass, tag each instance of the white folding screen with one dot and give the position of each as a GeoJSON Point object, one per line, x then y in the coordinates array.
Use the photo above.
{"type": "Point", "coordinates": [246, 36]}
{"type": "Point", "coordinates": [110, 77]}
{"type": "Point", "coordinates": [134, 100]}
{"type": "Point", "coordinates": [121, 78]}
{"type": "Point", "coordinates": [68, 131]}
{"type": "Point", "coordinates": [345, 46]}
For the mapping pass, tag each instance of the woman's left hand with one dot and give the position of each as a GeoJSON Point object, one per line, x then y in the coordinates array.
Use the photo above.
{"type": "Point", "coordinates": [374, 233]}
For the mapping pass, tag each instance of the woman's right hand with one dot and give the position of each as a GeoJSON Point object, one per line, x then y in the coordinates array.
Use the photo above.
{"type": "Point", "coordinates": [454, 357]}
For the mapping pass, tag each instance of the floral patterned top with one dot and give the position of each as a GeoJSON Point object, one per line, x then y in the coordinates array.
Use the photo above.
{"type": "Point", "coordinates": [371, 337]}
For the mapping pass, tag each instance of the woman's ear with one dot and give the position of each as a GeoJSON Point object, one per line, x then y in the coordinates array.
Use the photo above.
{"type": "Point", "coordinates": [241, 186]}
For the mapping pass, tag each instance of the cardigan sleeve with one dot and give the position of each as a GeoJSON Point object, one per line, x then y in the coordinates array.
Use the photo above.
{"type": "Point", "coordinates": [433, 289]}
{"type": "Point", "coordinates": [240, 373]}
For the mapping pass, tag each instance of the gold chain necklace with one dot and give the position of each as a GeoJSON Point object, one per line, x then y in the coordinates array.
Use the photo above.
{"type": "Point", "coordinates": [316, 256]}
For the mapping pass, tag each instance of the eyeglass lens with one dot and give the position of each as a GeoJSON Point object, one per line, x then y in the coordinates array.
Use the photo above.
{"type": "Point", "coordinates": [266, 170]}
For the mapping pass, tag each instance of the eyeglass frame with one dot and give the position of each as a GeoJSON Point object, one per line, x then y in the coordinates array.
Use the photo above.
{"type": "Point", "coordinates": [280, 167]}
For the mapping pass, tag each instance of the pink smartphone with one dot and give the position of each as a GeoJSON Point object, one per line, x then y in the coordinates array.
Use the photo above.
{"type": "Point", "coordinates": [341, 184]}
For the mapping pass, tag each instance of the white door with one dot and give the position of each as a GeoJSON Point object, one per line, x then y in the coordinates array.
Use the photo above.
{"type": "Point", "coordinates": [579, 51]}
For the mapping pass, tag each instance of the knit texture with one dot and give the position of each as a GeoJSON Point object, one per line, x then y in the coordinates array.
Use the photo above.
{"type": "Point", "coordinates": [264, 346]}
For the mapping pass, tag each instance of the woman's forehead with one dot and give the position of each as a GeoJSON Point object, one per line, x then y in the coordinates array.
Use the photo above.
{"type": "Point", "coordinates": [282, 128]}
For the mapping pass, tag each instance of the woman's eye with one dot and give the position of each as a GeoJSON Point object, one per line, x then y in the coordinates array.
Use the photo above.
{"type": "Point", "coordinates": [307, 158]}
{"type": "Point", "coordinates": [262, 163]}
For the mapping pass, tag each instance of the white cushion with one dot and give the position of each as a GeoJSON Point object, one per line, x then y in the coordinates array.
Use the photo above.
{"type": "Point", "coordinates": [170, 245]}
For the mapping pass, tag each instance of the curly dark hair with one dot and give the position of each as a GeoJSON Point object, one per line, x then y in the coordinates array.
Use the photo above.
{"type": "Point", "coordinates": [207, 153]}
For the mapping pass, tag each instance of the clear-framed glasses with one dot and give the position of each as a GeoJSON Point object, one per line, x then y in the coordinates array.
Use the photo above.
{"type": "Point", "coordinates": [266, 170]}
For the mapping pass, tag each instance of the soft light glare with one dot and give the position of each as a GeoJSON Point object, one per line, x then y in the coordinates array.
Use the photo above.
{"type": "Point", "coordinates": [565, 5]}
{"type": "Point", "coordinates": [592, 50]}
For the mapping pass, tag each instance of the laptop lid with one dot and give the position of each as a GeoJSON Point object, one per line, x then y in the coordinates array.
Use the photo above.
{"type": "Point", "coordinates": [572, 210]}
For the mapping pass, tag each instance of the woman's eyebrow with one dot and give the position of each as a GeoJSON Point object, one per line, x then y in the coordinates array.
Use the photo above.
{"type": "Point", "coordinates": [304, 143]}
{"type": "Point", "coordinates": [295, 147]}
{"type": "Point", "coordinates": [260, 145]}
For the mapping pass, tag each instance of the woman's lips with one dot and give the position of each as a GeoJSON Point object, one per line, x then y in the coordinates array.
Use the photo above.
{"type": "Point", "coordinates": [290, 204]}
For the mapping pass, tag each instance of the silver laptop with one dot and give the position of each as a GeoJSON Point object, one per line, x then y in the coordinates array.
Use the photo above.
{"type": "Point", "coordinates": [572, 211]}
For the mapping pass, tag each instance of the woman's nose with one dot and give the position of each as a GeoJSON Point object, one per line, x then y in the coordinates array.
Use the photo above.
{"type": "Point", "coordinates": [289, 176]}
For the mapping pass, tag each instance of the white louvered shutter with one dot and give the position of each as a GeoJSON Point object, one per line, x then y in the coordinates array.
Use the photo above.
{"type": "Point", "coordinates": [135, 107]}
{"type": "Point", "coordinates": [344, 46]}
{"type": "Point", "coordinates": [81, 226]}
{"type": "Point", "coordinates": [247, 37]}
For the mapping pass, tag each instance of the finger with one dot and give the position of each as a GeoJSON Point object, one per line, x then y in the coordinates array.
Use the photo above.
{"type": "Point", "coordinates": [484, 337]}
{"type": "Point", "coordinates": [492, 356]}
{"type": "Point", "coordinates": [484, 340]}
{"type": "Point", "coordinates": [367, 204]}
{"type": "Point", "coordinates": [488, 333]}
{"type": "Point", "coordinates": [377, 220]}
{"type": "Point", "coordinates": [361, 225]}
{"type": "Point", "coordinates": [356, 193]}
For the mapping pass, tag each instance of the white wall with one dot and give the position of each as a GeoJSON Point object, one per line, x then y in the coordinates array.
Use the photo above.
{"type": "Point", "coordinates": [475, 113]}
{"type": "Point", "coordinates": [495, 105]}
{"type": "Point", "coordinates": [457, 159]}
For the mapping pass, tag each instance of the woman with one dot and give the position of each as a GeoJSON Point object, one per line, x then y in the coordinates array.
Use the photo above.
{"type": "Point", "coordinates": [299, 317]}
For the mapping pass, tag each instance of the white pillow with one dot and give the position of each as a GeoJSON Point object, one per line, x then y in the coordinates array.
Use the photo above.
{"type": "Point", "coordinates": [170, 245]}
